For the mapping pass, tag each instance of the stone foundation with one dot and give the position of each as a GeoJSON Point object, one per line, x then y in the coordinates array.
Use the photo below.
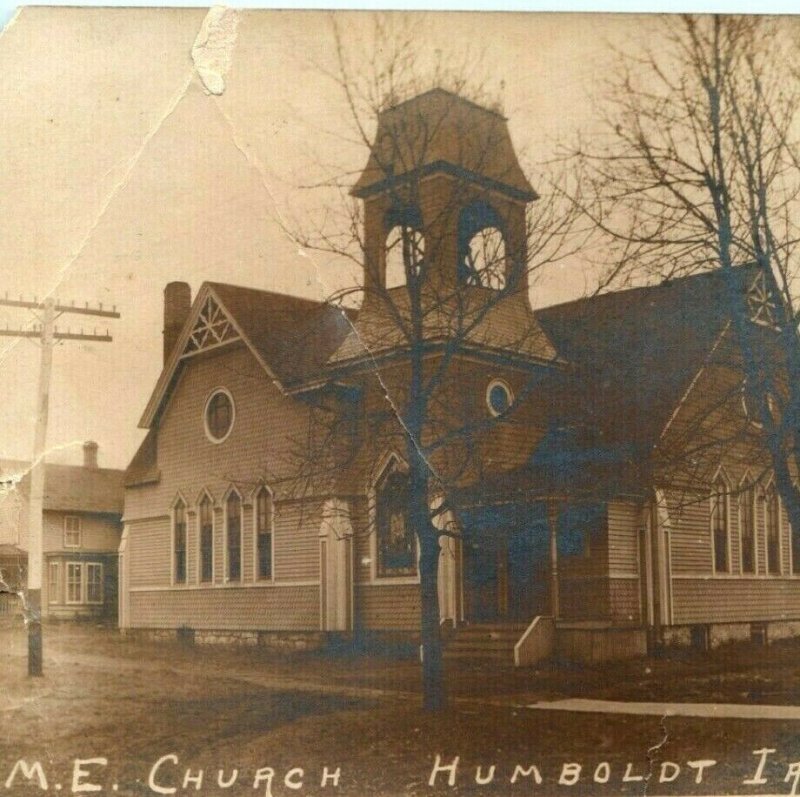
{"type": "Point", "coordinates": [276, 640]}
{"type": "Point", "coordinates": [716, 635]}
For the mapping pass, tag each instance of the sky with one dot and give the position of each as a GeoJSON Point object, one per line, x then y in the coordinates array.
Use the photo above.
{"type": "Point", "coordinates": [121, 172]}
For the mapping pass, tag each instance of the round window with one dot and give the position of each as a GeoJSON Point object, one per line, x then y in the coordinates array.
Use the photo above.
{"type": "Point", "coordinates": [219, 416]}
{"type": "Point", "coordinates": [498, 397]}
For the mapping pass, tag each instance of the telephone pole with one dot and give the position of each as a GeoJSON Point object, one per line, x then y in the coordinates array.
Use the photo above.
{"type": "Point", "coordinates": [48, 335]}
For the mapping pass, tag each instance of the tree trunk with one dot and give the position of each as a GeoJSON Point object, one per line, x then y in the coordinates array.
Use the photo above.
{"type": "Point", "coordinates": [433, 686]}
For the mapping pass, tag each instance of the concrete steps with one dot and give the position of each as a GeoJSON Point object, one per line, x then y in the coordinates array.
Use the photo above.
{"type": "Point", "coordinates": [485, 642]}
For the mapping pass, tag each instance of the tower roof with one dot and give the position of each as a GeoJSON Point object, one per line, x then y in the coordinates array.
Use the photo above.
{"type": "Point", "coordinates": [439, 131]}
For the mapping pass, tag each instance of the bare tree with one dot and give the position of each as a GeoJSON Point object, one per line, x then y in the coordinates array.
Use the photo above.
{"type": "Point", "coordinates": [698, 169]}
{"type": "Point", "coordinates": [443, 226]}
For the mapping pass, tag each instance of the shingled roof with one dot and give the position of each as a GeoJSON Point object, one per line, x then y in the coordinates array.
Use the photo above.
{"type": "Point", "coordinates": [294, 336]}
{"type": "Point", "coordinates": [291, 337]}
{"type": "Point", "coordinates": [634, 352]}
{"type": "Point", "coordinates": [439, 131]}
{"type": "Point", "coordinates": [632, 357]}
{"type": "Point", "coordinates": [72, 488]}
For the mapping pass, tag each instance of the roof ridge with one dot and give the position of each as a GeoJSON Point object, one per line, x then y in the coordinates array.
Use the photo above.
{"type": "Point", "coordinates": [265, 292]}
{"type": "Point", "coordinates": [714, 273]}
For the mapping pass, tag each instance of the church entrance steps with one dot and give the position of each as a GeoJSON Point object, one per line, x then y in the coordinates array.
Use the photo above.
{"type": "Point", "coordinates": [494, 641]}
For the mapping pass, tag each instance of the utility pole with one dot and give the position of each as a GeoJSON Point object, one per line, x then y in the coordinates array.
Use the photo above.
{"type": "Point", "coordinates": [48, 334]}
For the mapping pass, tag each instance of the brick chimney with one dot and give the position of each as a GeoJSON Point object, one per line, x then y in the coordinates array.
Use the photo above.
{"type": "Point", "coordinates": [90, 455]}
{"type": "Point", "coordinates": [177, 304]}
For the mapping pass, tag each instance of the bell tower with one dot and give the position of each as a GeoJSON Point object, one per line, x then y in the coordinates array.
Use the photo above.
{"type": "Point", "coordinates": [445, 198]}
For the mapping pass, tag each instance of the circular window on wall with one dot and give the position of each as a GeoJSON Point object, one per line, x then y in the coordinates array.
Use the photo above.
{"type": "Point", "coordinates": [219, 415]}
{"type": "Point", "coordinates": [498, 397]}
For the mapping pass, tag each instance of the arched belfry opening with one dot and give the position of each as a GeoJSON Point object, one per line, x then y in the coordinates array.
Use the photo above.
{"type": "Point", "coordinates": [482, 254]}
{"type": "Point", "coordinates": [443, 180]}
{"type": "Point", "coordinates": [404, 247]}
{"type": "Point", "coordinates": [444, 208]}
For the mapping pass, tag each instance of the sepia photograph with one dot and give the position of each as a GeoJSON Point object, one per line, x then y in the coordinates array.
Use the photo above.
{"type": "Point", "coordinates": [399, 403]}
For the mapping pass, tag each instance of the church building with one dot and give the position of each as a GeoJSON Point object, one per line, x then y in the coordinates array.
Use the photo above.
{"type": "Point", "coordinates": [599, 481]}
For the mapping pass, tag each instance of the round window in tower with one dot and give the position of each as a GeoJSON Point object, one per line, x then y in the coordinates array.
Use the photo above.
{"type": "Point", "coordinates": [219, 415]}
{"type": "Point", "coordinates": [498, 397]}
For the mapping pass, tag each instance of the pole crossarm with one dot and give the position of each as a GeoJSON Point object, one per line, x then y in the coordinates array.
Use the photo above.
{"type": "Point", "coordinates": [61, 308]}
{"type": "Point", "coordinates": [37, 333]}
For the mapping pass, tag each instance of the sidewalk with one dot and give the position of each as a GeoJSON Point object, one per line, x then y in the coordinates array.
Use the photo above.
{"type": "Point", "coordinates": [708, 710]}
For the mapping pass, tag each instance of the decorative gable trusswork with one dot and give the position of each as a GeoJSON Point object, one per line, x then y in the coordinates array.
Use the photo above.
{"type": "Point", "coordinates": [761, 303]}
{"type": "Point", "coordinates": [213, 328]}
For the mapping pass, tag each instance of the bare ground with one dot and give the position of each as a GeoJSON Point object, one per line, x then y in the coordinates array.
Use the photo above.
{"type": "Point", "coordinates": [221, 708]}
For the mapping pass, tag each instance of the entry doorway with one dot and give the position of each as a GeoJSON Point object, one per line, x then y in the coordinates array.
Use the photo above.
{"type": "Point", "coordinates": [505, 565]}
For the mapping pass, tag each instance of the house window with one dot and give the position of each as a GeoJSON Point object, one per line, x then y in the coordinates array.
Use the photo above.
{"type": "Point", "coordinates": [84, 582]}
{"type": "Point", "coordinates": [74, 582]}
{"type": "Point", "coordinates": [72, 531]}
{"type": "Point", "coordinates": [206, 540]}
{"type": "Point", "coordinates": [747, 533]}
{"type": "Point", "coordinates": [234, 537]}
{"type": "Point", "coordinates": [719, 526]}
{"type": "Point", "coordinates": [396, 542]}
{"type": "Point", "coordinates": [179, 542]}
{"type": "Point", "coordinates": [772, 526]}
{"type": "Point", "coordinates": [264, 534]}
{"type": "Point", "coordinates": [53, 580]}
{"type": "Point", "coordinates": [94, 582]}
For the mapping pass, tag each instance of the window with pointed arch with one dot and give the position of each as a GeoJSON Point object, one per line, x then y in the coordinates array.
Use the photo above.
{"type": "Point", "coordinates": [720, 538]}
{"type": "Point", "coordinates": [481, 247]}
{"type": "Point", "coordinates": [772, 530]}
{"type": "Point", "coordinates": [747, 527]}
{"type": "Point", "coordinates": [233, 536]}
{"type": "Point", "coordinates": [179, 541]}
{"type": "Point", "coordinates": [263, 507]}
{"type": "Point", "coordinates": [206, 540]}
{"type": "Point", "coordinates": [396, 542]}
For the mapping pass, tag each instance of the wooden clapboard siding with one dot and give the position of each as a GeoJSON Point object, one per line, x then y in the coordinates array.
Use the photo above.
{"type": "Point", "coordinates": [387, 607]}
{"type": "Point", "coordinates": [98, 532]}
{"type": "Point", "coordinates": [736, 598]}
{"type": "Point", "coordinates": [259, 448]}
{"type": "Point", "coordinates": [624, 519]}
{"type": "Point", "coordinates": [266, 608]}
{"type": "Point", "coordinates": [690, 533]}
{"type": "Point", "coordinates": [149, 549]}
{"type": "Point", "coordinates": [262, 444]}
{"type": "Point", "coordinates": [297, 540]}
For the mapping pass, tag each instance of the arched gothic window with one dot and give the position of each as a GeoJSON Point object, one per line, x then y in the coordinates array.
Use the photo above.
{"type": "Point", "coordinates": [482, 259]}
{"type": "Point", "coordinates": [396, 542]}
{"type": "Point", "coordinates": [206, 540]}
{"type": "Point", "coordinates": [719, 525]}
{"type": "Point", "coordinates": [747, 527]}
{"type": "Point", "coordinates": [772, 529]}
{"type": "Point", "coordinates": [233, 521]}
{"type": "Point", "coordinates": [179, 541]}
{"type": "Point", "coordinates": [263, 506]}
